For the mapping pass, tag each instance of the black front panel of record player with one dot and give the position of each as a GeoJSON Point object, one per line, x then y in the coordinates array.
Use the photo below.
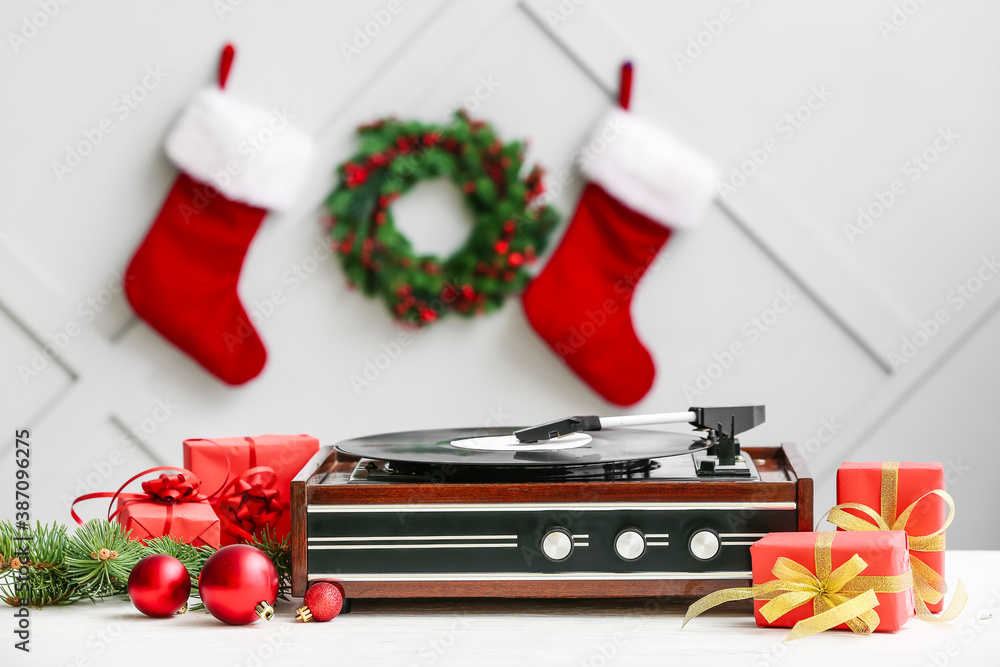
{"type": "Point", "coordinates": [467, 540]}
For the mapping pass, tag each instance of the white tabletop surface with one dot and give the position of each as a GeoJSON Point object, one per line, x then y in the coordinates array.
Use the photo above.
{"type": "Point", "coordinates": [576, 633]}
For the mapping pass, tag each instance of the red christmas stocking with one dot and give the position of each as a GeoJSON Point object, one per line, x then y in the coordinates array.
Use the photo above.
{"type": "Point", "coordinates": [237, 162]}
{"type": "Point", "coordinates": [642, 185]}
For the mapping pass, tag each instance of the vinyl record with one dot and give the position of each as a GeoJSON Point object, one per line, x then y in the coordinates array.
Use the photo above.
{"type": "Point", "coordinates": [485, 447]}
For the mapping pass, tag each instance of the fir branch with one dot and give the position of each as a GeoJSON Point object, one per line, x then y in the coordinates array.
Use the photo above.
{"type": "Point", "coordinates": [32, 566]}
{"type": "Point", "coordinates": [99, 558]}
{"type": "Point", "coordinates": [192, 557]}
{"type": "Point", "coordinates": [280, 553]}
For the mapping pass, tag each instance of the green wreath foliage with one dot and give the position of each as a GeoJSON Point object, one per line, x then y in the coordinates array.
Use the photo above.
{"type": "Point", "coordinates": [511, 227]}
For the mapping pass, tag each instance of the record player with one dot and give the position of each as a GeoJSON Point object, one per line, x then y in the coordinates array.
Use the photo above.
{"type": "Point", "coordinates": [579, 507]}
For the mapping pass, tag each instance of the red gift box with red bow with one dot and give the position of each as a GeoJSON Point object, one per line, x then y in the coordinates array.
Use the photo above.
{"type": "Point", "coordinates": [170, 505]}
{"type": "Point", "coordinates": [249, 479]}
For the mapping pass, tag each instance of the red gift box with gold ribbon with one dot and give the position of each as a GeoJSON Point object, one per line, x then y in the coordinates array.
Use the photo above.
{"type": "Point", "coordinates": [900, 496]}
{"type": "Point", "coordinates": [253, 475]}
{"type": "Point", "coordinates": [813, 582]}
{"type": "Point", "coordinates": [885, 558]}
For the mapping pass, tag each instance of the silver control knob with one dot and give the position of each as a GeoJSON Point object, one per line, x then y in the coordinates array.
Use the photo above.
{"type": "Point", "coordinates": [705, 544]}
{"type": "Point", "coordinates": [630, 544]}
{"type": "Point", "coordinates": [557, 544]}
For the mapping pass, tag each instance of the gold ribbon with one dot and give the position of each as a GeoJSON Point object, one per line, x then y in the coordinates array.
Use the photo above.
{"type": "Point", "coordinates": [838, 596]}
{"type": "Point", "coordinates": [928, 585]}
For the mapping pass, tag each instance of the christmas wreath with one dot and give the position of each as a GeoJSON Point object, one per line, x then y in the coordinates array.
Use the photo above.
{"type": "Point", "coordinates": [511, 227]}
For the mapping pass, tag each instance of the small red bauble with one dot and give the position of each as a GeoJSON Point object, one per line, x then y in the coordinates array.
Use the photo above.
{"type": "Point", "coordinates": [159, 585]}
{"type": "Point", "coordinates": [239, 584]}
{"type": "Point", "coordinates": [322, 602]}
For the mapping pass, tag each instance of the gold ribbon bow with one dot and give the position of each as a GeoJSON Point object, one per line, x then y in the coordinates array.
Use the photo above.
{"type": "Point", "coordinates": [838, 596]}
{"type": "Point", "coordinates": [928, 585]}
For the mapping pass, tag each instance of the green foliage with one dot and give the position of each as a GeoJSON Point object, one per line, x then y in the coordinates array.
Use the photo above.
{"type": "Point", "coordinates": [96, 560]}
{"type": "Point", "coordinates": [100, 556]}
{"type": "Point", "coordinates": [40, 578]}
{"type": "Point", "coordinates": [511, 226]}
{"type": "Point", "coordinates": [280, 553]}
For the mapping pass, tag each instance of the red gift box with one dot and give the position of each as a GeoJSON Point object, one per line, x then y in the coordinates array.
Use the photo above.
{"type": "Point", "coordinates": [194, 523]}
{"type": "Point", "coordinates": [885, 553]}
{"type": "Point", "coordinates": [171, 504]}
{"type": "Point", "coordinates": [250, 479]}
{"type": "Point", "coordinates": [863, 483]}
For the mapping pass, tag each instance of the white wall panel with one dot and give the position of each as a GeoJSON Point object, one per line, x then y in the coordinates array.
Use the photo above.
{"type": "Point", "coordinates": [821, 363]}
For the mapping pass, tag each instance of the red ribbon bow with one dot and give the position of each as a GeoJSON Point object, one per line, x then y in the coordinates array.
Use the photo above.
{"type": "Point", "coordinates": [250, 502]}
{"type": "Point", "coordinates": [172, 489]}
{"type": "Point", "coordinates": [166, 490]}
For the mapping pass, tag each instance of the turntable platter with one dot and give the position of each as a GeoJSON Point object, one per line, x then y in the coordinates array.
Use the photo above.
{"type": "Point", "coordinates": [437, 447]}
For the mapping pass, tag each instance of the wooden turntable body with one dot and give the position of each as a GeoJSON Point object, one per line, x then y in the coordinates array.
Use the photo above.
{"type": "Point", "coordinates": [398, 539]}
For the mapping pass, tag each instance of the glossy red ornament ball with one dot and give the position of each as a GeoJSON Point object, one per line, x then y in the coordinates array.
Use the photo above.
{"type": "Point", "coordinates": [159, 585]}
{"type": "Point", "coordinates": [322, 602]}
{"type": "Point", "coordinates": [239, 584]}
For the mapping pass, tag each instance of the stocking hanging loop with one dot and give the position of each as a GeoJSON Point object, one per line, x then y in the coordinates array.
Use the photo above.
{"type": "Point", "coordinates": [625, 85]}
{"type": "Point", "coordinates": [225, 64]}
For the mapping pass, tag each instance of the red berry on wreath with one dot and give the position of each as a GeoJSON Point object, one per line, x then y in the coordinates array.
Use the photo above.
{"type": "Point", "coordinates": [501, 247]}
{"type": "Point", "coordinates": [239, 584]}
{"type": "Point", "coordinates": [159, 586]}
{"type": "Point", "coordinates": [515, 259]}
{"type": "Point", "coordinates": [322, 602]}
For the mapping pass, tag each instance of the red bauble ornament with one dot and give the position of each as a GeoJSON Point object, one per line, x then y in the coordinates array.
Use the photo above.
{"type": "Point", "coordinates": [239, 584]}
{"type": "Point", "coordinates": [159, 585]}
{"type": "Point", "coordinates": [322, 602]}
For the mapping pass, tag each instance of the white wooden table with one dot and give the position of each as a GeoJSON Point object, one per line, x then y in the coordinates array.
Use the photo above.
{"type": "Point", "coordinates": [563, 632]}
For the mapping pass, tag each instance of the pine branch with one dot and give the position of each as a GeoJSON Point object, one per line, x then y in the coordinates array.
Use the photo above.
{"type": "Point", "coordinates": [280, 554]}
{"type": "Point", "coordinates": [99, 558]}
{"type": "Point", "coordinates": [38, 577]}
